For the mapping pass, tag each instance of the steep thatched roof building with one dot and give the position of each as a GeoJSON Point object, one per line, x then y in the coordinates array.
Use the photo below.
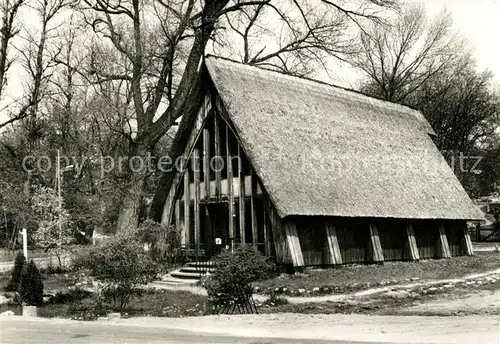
{"type": "Point", "coordinates": [313, 174]}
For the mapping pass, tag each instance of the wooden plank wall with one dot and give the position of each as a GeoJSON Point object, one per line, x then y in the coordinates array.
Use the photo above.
{"type": "Point", "coordinates": [426, 235]}
{"type": "Point", "coordinates": [467, 242]}
{"type": "Point", "coordinates": [454, 235]}
{"type": "Point", "coordinates": [353, 238]}
{"type": "Point", "coordinates": [293, 243]}
{"type": "Point", "coordinates": [377, 254]}
{"type": "Point", "coordinates": [335, 255]}
{"type": "Point", "coordinates": [283, 255]}
{"type": "Point", "coordinates": [443, 249]}
{"type": "Point", "coordinates": [392, 238]}
{"type": "Point", "coordinates": [411, 251]}
{"type": "Point", "coordinates": [312, 237]}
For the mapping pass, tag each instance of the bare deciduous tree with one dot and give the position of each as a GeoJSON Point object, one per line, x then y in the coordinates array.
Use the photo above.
{"type": "Point", "coordinates": [33, 58]}
{"type": "Point", "coordinates": [461, 105]}
{"type": "Point", "coordinates": [8, 31]}
{"type": "Point", "coordinates": [397, 59]}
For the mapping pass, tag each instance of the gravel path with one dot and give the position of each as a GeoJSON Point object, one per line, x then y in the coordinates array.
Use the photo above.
{"type": "Point", "coordinates": [343, 297]}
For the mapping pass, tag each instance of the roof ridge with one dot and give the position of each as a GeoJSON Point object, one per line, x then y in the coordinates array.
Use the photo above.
{"type": "Point", "coordinates": [323, 83]}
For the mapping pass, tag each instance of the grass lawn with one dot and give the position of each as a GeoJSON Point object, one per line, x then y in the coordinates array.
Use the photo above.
{"type": "Point", "coordinates": [161, 303]}
{"type": "Point", "coordinates": [51, 281]}
{"type": "Point", "coordinates": [148, 302]}
{"type": "Point", "coordinates": [359, 277]}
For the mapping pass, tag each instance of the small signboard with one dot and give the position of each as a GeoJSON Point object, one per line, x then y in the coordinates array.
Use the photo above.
{"type": "Point", "coordinates": [218, 241]}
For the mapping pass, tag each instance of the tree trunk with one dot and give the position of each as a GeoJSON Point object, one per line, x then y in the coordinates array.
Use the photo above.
{"type": "Point", "coordinates": [186, 102]}
{"type": "Point", "coordinates": [128, 217]}
{"type": "Point", "coordinates": [177, 148]}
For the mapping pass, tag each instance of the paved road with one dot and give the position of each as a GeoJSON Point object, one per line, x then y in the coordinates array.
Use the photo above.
{"type": "Point", "coordinates": [26, 331]}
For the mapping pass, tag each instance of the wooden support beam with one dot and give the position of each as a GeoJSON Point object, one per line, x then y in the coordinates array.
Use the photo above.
{"type": "Point", "coordinates": [196, 169]}
{"type": "Point", "coordinates": [375, 246]}
{"type": "Point", "coordinates": [206, 162]}
{"type": "Point", "coordinates": [218, 160]}
{"type": "Point", "coordinates": [241, 201]}
{"type": "Point", "coordinates": [333, 244]}
{"type": "Point", "coordinates": [253, 211]}
{"type": "Point", "coordinates": [187, 212]}
{"type": "Point", "coordinates": [293, 243]}
{"type": "Point", "coordinates": [267, 239]}
{"type": "Point", "coordinates": [166, 217]}
{"type": "Point", "coordinates": [411, 251]}
{"type": "Point", "coordinates": [279, 236]}
{"type": "Point", "coordinates": [208, 229]}
{"type": "Point", "coordinates": [467, 242]}
{"type": "Point", "coordinates": [443, 249]}
{"type": "Point", "coordinates": [229, 165]}
{"type": "Point", "coordinates": [179, 219]}
{"type": "Point", "coordinates": [177, 214]}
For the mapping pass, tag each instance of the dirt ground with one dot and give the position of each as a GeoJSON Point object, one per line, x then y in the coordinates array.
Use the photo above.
{"type": "Point", "coordinates": [480, 302]}
{"type": "Point", "coordinates": [477, 294]}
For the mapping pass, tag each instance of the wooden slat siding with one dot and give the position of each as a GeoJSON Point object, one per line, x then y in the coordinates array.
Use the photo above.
{"type": "Point", "coordinates": [168, 210]}
{"type": "Point", "coordinates": [293, 242]}
{"type": "Point", "coordinates": [253, 212]}
{"type": "Point", "coordinates": [201, 118]}
{"type": "Point", "coordinates": [426, 236]}
{"type": "Point", "coordinates": [376, 247]}
{"type": "Point", "coordinates": [181, 220]}
{"type": "Point", "coordinates": [412, 252]}
{"type": "Point", "coordinates": [177, 216]}
{"type": "Point", "coordinates": [241, 201]}
{"type": "Point", "coordinates": [335, 255]}
{"type": "Point", "coordinates": [206, 162]}
{"type": "Point", "coordinates": [166, 219]}
{"type": "Point", "coordinates": [267, 242]}
{"type": "Point", "coordinates": [196, 169]}
{"type": "Point", "coordinates": [217, 151]}
{"type": "Point", "coordinates": [187, 211]}
{"type": "Point", "coordinates": [230, 189]}
{"type": "Point", "coordinates": [467, 242]}
{"type": "Point", "coordinates": [224, 188]}
{"type": "Point", "coordinates": [455, 238]}
{"type": "Point", "coordinates": [278, 233]}
{"type": "Point", "coordinates": [443, 250]}
{"type": "Point", "coordinates": [208, 231]}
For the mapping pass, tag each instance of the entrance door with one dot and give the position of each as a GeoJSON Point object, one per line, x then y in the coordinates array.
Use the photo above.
{"type": "Point", "coordinates": [216, 228]}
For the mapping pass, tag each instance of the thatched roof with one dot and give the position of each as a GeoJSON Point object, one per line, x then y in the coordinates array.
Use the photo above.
{"type": "Point", "coordinates": [324, 150]}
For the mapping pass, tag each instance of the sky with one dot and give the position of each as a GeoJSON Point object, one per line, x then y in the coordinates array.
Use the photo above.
{"type": "Point", "coordinates": [476, 20]}
{"type": "Point", "coordinates": [479, 22]}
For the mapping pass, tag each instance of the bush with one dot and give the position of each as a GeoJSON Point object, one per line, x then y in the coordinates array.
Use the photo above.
{"type": "Point", "coordinates": [165, 242]}
{"type": "Point", "coordinates": [72, 295]}
{"type": "Point", "coordinates": [31, 285]}
{"type": "Point", "coordinates": [121, 265]}
{"type": "Point", "coordinates": [16, 273]}
{"type": "Point", "coordinates": [237, 270]}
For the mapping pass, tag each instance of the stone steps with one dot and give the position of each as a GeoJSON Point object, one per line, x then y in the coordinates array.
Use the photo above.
{"type": "Point", "coordinates": [189, 274]}
{"type": "Point", "coordinates": [190, 269]}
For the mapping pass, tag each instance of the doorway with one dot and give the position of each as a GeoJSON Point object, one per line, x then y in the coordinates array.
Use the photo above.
{"type": "Point", "coordinates": [216, 228]}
